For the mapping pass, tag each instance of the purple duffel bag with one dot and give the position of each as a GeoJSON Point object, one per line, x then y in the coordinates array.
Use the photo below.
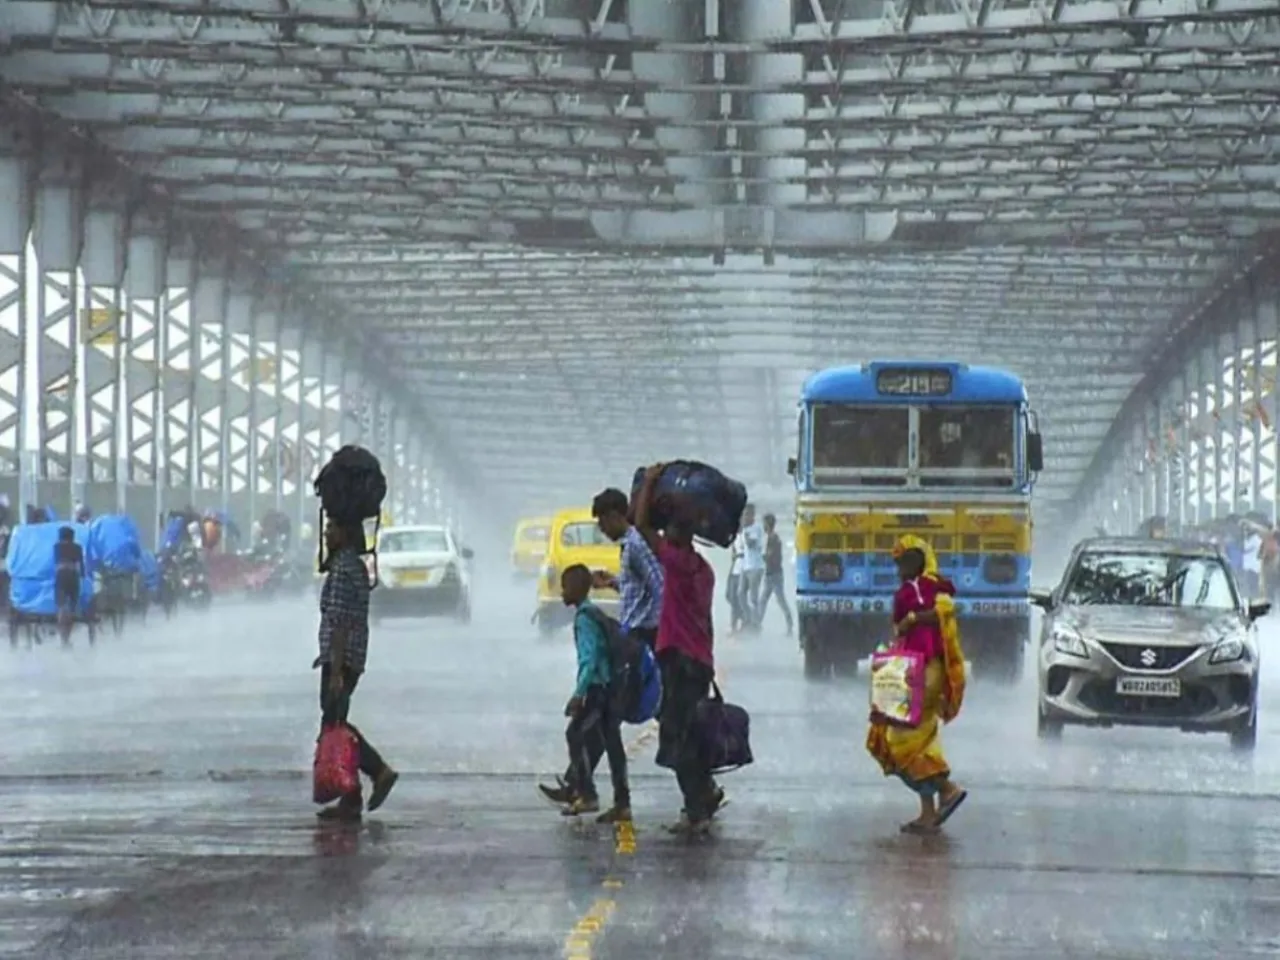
{"type": "Point", "coordinates": [724, 733]}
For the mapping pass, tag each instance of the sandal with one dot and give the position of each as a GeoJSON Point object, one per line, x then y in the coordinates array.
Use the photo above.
{"type": "Point", "coordinates": [950, 807]}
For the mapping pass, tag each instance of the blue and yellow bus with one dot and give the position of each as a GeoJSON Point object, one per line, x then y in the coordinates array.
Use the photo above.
{"type": "Point", "coordinates": [945, 451]}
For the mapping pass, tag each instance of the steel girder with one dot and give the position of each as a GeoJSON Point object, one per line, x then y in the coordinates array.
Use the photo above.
{"type": "Point", "coordinates": [168, 369]}
{"type": "Point", "coordinates": [1052, 187]}
{"type": "Point", "coordinates": [1196, 441]}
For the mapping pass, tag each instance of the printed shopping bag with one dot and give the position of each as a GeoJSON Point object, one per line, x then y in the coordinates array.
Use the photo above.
{"type": "Point", "coordinates": [336, 772]}
{"type": "Point", "coordinates": [897, 686]}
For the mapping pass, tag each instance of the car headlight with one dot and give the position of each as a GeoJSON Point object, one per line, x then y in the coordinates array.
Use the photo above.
{"type": "Point", "coordinates": [1228, 650]}
{"type": "Point", "coordinates": [1068, 641]}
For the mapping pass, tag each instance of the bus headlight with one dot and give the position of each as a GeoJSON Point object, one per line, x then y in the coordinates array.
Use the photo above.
{"type": "Point", "coordinates": [826, 568]}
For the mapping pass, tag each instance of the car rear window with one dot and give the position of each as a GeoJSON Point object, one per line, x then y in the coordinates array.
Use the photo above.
{"type": "Point", "coordinates": [585, 534]}
{"type": "Point", "coordinates": [414, 541]}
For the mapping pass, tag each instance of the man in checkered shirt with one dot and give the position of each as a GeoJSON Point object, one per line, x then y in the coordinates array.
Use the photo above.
{"type": "Point", "coordinates": [344, 646]}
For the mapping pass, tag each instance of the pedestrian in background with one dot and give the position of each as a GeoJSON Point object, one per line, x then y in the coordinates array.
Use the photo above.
{"type": "Point", "coordinates": [752, 569]}
{"type": "Point", "coordinates": [774, 580]}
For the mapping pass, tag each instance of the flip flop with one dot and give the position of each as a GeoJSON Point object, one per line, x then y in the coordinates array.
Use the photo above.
{"type": "Point", "coordinates": [951, 807]}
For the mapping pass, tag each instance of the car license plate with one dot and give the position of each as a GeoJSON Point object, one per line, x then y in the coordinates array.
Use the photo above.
{"type": "Point", "coordinates": [412, 577]}
{"type": "Point", "coordinates": [1149, 686]}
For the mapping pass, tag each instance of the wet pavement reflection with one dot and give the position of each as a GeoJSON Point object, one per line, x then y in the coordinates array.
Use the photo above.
{"type": "Point", "coordinates": [156, 795]}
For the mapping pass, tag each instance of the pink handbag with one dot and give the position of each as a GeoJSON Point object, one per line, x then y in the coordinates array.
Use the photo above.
{"type": "Point", "coordinates": [336, 771]}
{"type": "Point", "coordinates": [897, 686]}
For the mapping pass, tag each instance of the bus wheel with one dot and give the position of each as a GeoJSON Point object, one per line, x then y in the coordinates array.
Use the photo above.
{"type": "Point", "coordinates": [845, 663]}
{"type": "Point", "coordinates": [1003, 649]}
{"type": "Point", "coordinates": [817, 655]}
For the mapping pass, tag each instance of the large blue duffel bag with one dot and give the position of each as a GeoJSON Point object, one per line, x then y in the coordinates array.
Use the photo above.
{"type": "Point", "coordinates": [718, 500]}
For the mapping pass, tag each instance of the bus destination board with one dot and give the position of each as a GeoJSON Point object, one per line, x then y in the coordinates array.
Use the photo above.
{"type": "Point", "coordinates": [913, 383]}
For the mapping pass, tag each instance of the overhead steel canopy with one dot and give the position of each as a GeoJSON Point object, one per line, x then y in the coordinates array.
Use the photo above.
{"type": "Point", "coordinates": [596, 231]}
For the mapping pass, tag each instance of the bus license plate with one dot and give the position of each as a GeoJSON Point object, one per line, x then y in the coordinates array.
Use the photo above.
{"type": "Point", "coordinates": [1149, 686]}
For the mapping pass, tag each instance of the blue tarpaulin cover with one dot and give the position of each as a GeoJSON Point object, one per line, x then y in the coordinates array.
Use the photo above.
{"type": "Point", "coordinates": [150, 572]}
{"type": "Point", "coordinates": [173, 533]}
{"type": "Point", "coordinates": [115, 543]}
{"type": "Point", "coordinates": [31, 567]}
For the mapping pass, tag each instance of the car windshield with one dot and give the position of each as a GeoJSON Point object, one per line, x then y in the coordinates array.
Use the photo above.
{"type": "Point", "coordinates": [582, 535]}
{"type": "Point", "coordinates": [414, 541]}
{"type": "Point", "coordinates": [535, 534]}
{"type": "Point", "coordinates": [1150, 579]}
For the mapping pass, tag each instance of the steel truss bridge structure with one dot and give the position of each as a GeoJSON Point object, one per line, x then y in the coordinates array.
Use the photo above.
{"type": "Point", "coordinates": [521, 246]}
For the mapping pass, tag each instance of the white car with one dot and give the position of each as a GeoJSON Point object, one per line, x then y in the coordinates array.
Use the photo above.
{"type": "Point", "coordinates": [422, 572]}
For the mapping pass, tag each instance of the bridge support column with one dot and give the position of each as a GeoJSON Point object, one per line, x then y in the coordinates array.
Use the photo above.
{"type": "Point", "coordinates": [17, 208]}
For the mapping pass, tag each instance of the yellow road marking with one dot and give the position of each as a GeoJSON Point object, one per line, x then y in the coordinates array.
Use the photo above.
{"type": "Point", "coordinates": [580, 943]}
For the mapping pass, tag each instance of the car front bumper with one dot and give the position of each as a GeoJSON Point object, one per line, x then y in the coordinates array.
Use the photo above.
{"type": "Point", "coordinates": [1083, 691]}
{"type": "Point", "coordinates": [418, 601]}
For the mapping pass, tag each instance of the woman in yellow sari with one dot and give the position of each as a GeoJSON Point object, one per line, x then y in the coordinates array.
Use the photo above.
{"type": "Point", "coordinates": [924, 620]}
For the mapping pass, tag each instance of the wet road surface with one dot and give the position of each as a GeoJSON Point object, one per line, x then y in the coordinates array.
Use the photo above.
{"type": "Point", "coordinates": [155, 805]}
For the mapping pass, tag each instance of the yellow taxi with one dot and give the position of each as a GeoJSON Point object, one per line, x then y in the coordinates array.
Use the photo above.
{"type": "Point", "coordinates": [574, 538]}
{"type": "Point", "coordinates": [529, 549]}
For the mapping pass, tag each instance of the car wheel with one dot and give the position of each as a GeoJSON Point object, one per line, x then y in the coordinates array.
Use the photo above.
{"type": "Point", "coordinates": [546, 625]}
{"type": "Point", "coordinates": [464, 612]}
{"type": "Point", "coordinates": [1245, 737]}
{"type": "Point", "coordinates": [1047, 729]}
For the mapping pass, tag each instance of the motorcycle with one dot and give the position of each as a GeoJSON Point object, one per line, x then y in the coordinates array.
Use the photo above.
{"type": "Point", "coordinates": [184, 580]}
{"type": "Point", "coordinates": [274, 574]}
{"type": "Point", "coordinates": [194, 588]}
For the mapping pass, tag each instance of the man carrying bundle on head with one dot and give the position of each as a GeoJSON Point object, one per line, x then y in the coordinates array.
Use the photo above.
{"type": "Point", "coordinates": [351, 487]}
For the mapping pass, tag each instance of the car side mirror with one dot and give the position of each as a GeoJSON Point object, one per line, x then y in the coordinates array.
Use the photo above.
{"type": "Point", "coordinates": [1259, 609]}
{"type": "Point", "coordinates": [1035, 452]}
{"type": "Point", "coordinates": [791, 466]}
{"type": "Point", "coordinates": [468, 553]}
{"type": "Point", "coordinates": [1042, 599]}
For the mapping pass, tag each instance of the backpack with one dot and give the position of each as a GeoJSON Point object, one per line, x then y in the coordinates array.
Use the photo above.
{"type": "Point", "coordinates": [635, 685]}
{"type": "Point", "coordinates": [351, 488]}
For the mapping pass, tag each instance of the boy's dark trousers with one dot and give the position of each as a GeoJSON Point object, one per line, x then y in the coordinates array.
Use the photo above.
{"type": "Point", "coordinates": [592, 732]}
{"type": "Point", "coordinates": [595, 748]}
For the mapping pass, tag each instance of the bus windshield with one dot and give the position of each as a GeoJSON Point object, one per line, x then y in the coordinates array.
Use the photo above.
{"type": "Point", "coordinates": [975, 444]}
{"type": "Point", "coordinates": [852, 444]}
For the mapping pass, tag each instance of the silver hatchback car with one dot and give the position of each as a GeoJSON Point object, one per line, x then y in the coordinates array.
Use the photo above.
{"type": "Point", "coordinates": [1149, 633]}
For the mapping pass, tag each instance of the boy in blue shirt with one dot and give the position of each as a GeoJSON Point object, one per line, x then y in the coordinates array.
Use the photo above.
{"type": "Point", "coordinates": [589, 709]}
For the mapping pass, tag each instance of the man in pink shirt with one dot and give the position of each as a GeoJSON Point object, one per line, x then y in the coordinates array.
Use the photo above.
{"type": "Point", "coordinates": [684, 651]}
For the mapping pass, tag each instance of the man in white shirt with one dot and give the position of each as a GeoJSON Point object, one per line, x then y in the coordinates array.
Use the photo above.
{"type": "Point", "coordinates": [733, 583]}
{"type": "Point", "coordinates": [752, 566]}
{"type": "Point", "coordinates": [1252, 564]}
